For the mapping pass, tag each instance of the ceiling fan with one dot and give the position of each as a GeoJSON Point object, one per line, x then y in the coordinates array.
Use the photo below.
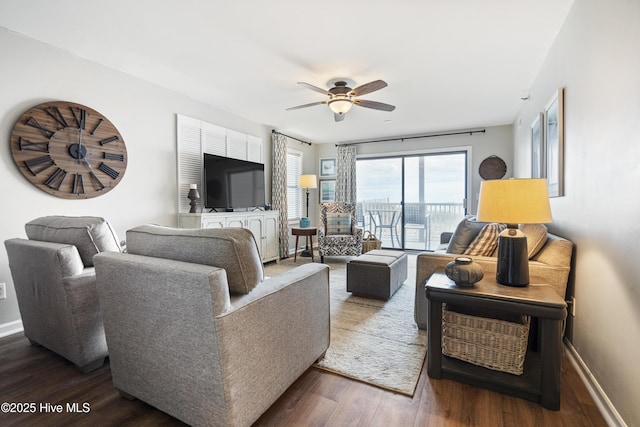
{"type": "Point", "coordinates": [342, 97]}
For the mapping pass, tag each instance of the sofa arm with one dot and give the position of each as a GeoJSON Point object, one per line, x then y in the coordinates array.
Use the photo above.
{"type": "Point", "coordinates": [271, 337]}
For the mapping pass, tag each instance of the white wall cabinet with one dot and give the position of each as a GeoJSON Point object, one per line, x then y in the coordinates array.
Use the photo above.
{"type": "Point", "coordinates": [263, 224]}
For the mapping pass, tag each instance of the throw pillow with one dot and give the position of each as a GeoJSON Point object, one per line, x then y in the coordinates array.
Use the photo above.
{"type": "Point", "coordinates": [89, 235]}
{"type": "Point", "coordinates": [338, 223]}
{"type": "Point", "coordinates": [486, 241]}
{"type": "Point", "coordinates": [536, 237]}
{"type": "Point", "coordinates": [464, 234]}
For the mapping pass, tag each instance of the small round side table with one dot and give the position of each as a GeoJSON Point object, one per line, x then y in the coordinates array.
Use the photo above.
{"type": "Point", "coordinates": [309, 232]}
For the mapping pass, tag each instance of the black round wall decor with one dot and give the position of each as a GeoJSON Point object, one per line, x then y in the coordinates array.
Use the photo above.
{"type": "Point", "coordinates": [493, 167]}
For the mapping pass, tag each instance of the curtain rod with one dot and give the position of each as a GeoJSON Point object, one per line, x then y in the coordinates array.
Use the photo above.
{"type": "Point", "coordinates": [299, 140]}
{"type": "Point", "coordinates": [470, 132]}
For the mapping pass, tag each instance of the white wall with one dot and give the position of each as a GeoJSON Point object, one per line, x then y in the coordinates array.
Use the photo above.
{"type": "Point", "coordinates": [497, 140]}
{"type": "Point", "coordinates": [145, 115]}
{"type": "Point", "coordinates": [596, 58]}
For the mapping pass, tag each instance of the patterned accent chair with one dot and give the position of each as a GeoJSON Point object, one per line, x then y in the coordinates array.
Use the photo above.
{"type": "Point", "coordinates": [335, 237]}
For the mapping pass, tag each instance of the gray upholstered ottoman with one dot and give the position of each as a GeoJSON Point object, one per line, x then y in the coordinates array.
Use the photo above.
{"type": "Point", "coordinates": [377, 274]}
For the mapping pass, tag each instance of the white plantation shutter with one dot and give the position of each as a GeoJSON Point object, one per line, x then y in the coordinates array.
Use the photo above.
{"type": "Point", "coordinates": [189, 160]}
{"type": "Point", "coordinates": [196, 137]}
{"type": "Point", "coordinates": [294, 194]}
{"type": "Point", "coordinates": [214, 139]}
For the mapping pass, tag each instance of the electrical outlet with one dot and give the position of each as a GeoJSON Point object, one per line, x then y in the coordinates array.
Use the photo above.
{"type": "Point", "coordinates": [3, 290]}
{"type": "Point", "coordinates": [573, 306]}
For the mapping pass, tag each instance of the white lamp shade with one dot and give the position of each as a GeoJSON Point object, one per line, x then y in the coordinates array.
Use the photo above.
{"type": "Point", "coordinates": [307, 181]}
{"type": "Point", "coordinates": [340, 105]}
{"type": "Point", "coordinates": [514, 201]}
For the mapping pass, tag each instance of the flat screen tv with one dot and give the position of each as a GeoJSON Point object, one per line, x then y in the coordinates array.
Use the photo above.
{"type": "Point", "coordinates": [233, 184]}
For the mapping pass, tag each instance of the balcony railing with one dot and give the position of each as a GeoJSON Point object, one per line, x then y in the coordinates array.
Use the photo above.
{"type": "Point", "coordinates": [423, 222]}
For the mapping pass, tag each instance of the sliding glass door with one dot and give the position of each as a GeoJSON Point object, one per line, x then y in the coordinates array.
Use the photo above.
{"type": "Point", "coordinates": [407, 201]}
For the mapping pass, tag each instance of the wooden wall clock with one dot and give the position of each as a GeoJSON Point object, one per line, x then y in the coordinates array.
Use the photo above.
{"type": "Point", "coordinates": [68, 150]}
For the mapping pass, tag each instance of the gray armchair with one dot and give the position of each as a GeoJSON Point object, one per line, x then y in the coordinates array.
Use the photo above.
{"type": "Point", "coordinates": [195, 330]}
{"type": "Point", "coordinates": [335, 236]}
{"type": "Point", "coordinates": [54, 279]}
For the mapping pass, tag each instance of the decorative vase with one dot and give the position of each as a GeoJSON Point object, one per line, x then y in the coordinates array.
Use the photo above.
{"type": "Point", "coordinates": [464, 271]}
{"type": "Point", "coordinates": [305, 222]}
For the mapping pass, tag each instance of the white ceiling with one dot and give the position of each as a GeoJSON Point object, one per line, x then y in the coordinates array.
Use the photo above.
{"type": "Point", "coordinates": [449, 64]}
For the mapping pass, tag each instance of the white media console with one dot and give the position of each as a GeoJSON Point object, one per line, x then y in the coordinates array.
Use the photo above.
{"type": "Point", "coordinates": [263, 224]}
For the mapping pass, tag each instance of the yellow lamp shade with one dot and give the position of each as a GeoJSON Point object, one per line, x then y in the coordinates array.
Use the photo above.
{"type": "Point", "coordinates": [307, 181]}
{"type": "Point", "coordinates": [514, 201]}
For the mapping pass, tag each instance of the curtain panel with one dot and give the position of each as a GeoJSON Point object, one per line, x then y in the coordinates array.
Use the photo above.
{"type": "Point", "coordinates": [279, 189]}
{"type": "Point", "coordinates": [346, 174]}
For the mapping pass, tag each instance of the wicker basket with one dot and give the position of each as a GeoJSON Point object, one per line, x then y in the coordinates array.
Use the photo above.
{"type": "Point", "coordinates": [495, 344]}
{"type": "Point", "coordinates": [370, 242]}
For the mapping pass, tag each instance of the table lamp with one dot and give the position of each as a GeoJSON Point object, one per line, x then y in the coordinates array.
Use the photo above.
{"type": "Point", "coordinates": [307, 182]}
{"type": "Point", "coordinates": [513, 202]}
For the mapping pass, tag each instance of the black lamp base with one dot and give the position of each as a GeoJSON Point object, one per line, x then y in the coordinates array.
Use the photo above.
{"type": "Point", "coordinates": [513, 260]}
{"type": "Point", "coordinates": [306, 253]}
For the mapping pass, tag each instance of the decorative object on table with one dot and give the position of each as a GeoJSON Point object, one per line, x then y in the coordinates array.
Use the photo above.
{"type": "Point", "coordinates": [68, 150]}
{"type": "Point", "coordinates": [327, 190]}
{"type": "Point", "coordinates": [493, 167]}
{"type": "Point", "coordinates": [305, 222]}
{"type": "Point", "coordinates": [464, 271]}
{"type": "Point", "coordinates": [513, 202]}
{"type": "Point", "coordinates": [370, 242]}
{"type": "Point", "coordinates": [307, 182]}
{"type": "Point", "coordinates": [193, 195]}
{"type": "Point", "coordinates": [554, 143]}
{"type": "Point", "coordinates": [538, 159]}
{"type": "Point", "coordinates": [342, 97]}
{"type": "Point", "coordinates": [328, 167]}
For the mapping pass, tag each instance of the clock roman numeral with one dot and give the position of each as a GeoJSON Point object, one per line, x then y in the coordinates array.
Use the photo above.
{"type": "Point", "coordinates": [113, 156]}
{"type": "Point", "coordinates": [57, 116]}
{"type": "Point", "coordinates": [108, 140]}
{"type": "Point", "coordinates": [27, 145]}
{"type": "Point", "coordinates": [38, 165]}
{"type": "Point", "coordinates": [98, 185]}
{"type": "Point", "coordinates": [78, 184]}
{"type": "Point", "coordinates": [34, 123]}
{"type": "Point", "coordinates": [109, 171]}
{"type": "Point", "coordinates": [80, 118]}
{"type": "Point", "coordinates": [96, 126]}
{"type": "Point", "coordinates": [55, 180]}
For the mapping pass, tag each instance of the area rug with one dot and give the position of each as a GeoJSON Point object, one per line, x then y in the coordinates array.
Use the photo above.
{"type": "Point", "coordinates": [373, 341]}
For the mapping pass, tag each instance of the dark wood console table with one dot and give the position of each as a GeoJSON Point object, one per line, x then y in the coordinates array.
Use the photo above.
{"type": "Point", "coordinates": [540, 380]}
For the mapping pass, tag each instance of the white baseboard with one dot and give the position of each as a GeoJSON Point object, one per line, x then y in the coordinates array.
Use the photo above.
{"type": "Point", "coordinates": [608, 411]}
{"type": "Point", "coordinates": [11, 328]}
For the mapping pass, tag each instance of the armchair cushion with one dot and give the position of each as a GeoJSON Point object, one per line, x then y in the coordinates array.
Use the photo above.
{"type": "Point", "coordinates": [233, 249]}
{"type": "Point", "coordinates": [90, 235]}
{"type": "Point", "coordinates": [338, 223]}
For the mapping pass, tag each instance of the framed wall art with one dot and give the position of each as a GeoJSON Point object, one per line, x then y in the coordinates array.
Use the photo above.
{"type": "Point", "coordinates": [538, 159]}
{"type": "Point", "coordinates": [328, 167]}
{"type": "Point", "coordinates": [554, 143]}
{"type": "Point", "coordinates": [327, 190]}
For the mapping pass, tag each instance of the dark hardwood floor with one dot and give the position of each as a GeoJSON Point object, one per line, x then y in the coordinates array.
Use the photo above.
{"type": "Point", "coordinates": [35, 375]}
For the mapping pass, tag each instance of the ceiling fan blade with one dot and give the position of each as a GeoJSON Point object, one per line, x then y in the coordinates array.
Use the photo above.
{"type": "Point", "coordinates": [375, 105]}
{"type": "Point", "coordinates": [338, 117]}
{"type": "Point", "coordinates": [306, 105]}
{"type": "Point", "coordinates": [368, 88]}
{"type": "Point", "coordinates": [314, 88]}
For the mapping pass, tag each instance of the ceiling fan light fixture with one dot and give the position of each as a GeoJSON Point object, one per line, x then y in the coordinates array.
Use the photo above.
{"type": "Point", "coordinates": [340, 105]}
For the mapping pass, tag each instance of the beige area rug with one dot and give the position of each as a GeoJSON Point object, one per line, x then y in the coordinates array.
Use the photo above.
{"type": "Point", "coordinates": [373, 341]}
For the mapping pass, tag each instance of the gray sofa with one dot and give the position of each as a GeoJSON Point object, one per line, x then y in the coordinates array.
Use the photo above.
{"type": "Point", "coordinates": [54, 279]}
{"type": "Point", "coordinates": [195, 329]}
{"type": "Point", "coordinates": [551, 264]}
